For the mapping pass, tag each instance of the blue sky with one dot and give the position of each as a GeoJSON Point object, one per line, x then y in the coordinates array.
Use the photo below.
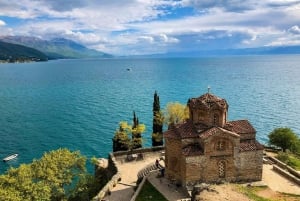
{"type": "Point", "coordinates": [133, 27]}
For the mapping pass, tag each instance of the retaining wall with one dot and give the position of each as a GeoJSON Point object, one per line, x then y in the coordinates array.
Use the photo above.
{"type": "Point", "coordinates": [112, 182]}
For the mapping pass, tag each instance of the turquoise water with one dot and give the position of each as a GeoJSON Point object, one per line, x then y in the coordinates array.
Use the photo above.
{"type": "Point", "coordinates": [78, 103]}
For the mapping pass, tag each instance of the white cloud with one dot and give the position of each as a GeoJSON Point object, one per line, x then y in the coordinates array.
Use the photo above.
{"type": "Point", "coordinates": [133, 25]}
{"type": "Point", "coordinates": [2, 23]}
{"type": "Point", "coordinates": [294, 29]}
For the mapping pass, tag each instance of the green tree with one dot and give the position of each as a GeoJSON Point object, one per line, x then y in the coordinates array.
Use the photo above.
{"type": "Point", "coordinates": [284, 138]}
{"type": "Point", "coordinates": [50, 178]}
{"type": "Point", "coordinates": [175, 113]}
{"type": "Point", "coordinates": [121, 141]}
{"type": "Point", "coordinates": [157, 133]}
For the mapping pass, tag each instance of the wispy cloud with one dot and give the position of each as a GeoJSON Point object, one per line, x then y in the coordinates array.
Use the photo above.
{"type": "Point", "coordinates": [141, 26]}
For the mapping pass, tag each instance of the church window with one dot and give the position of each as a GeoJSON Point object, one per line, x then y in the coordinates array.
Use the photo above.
{"type": "Point", "coordinates": [216, 119]}
{"type": "Point", "coordinates": [221, 169]}
{"type": "Point", "coordinates": [220, 145]}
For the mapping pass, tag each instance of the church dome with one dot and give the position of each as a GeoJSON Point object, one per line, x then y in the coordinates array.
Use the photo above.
{"type": "Point", "coordinates": [208, 101]}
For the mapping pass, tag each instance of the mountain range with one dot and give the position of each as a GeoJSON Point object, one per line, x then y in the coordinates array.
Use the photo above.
{"type": "Point", "coordinates": [57, 48]}
{"type": "Point", "coordinates": [270, 50]}
{"type": "Point", "coordinates": [18, 53]}
{"type": "Point", "coordinates": [61, 48]}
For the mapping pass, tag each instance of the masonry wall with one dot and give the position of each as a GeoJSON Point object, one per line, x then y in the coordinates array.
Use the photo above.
{"type": "Point", "coordinates": [251, 165]}
{"type": "Point", "coordinates": [173, 158]}
{"type": "Point", "coordinates": [194, 169]}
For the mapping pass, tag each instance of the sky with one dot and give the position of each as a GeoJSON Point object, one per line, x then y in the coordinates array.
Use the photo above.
{"type": "Point", "coordinates": [135, 27]}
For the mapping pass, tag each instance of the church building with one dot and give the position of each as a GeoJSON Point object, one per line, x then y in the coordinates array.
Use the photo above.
{"type": "Point", "coordinates": [209, 148]}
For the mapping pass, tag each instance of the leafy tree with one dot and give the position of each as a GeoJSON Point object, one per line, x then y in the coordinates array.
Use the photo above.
{"type": "Point", "coordinates": [137, 131]}
{"type": "Point", "coordinates": [157, 134]}
{"type": "Point", "coordinates": [50, 178]}
{"type": "Point", "coordinates": [176, 113]}
{"type": "Point", "coordinates": [121, 141]}
{"type": "Point", "coordinates": [284, 138]}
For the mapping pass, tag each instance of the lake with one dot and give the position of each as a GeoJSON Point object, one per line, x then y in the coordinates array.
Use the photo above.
{"type": "Point", "coordinates": [78, 104]}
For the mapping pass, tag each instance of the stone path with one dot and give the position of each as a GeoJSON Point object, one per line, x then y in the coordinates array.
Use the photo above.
{"type": "Point", "coordinates": [124, 190]}
{"type": "Point", "coordinates": [277, 182]}
{"type": "Point", "coordinates": [165, 187]}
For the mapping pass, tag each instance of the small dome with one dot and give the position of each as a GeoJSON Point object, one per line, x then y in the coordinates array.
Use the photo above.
{"type": "Point", "coordinates": [208, 101]}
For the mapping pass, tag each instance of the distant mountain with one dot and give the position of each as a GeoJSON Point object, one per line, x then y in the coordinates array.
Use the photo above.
{"type": "Point", "coordinates": [18, 53]}
{"type": "Point", "coordinates": [271, 50]}
{"type": "Point", "coordinates": [58, 48]}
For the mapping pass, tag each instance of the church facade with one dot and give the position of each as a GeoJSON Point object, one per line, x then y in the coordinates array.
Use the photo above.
{"type": "Point", "coordinates": [209, 148]}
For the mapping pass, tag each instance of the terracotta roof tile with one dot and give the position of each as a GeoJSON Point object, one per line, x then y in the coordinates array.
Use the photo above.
{"type": "Point", "coordinates": [240, 127]}
{"type": "Point", "coordinates": [209, 132]}
{"type": "Point", "coordinates": [250, 145]}
{"type": "Point", "coordinates": [207, 100]}
{"type": "Point", "coordinates": [184, 130]}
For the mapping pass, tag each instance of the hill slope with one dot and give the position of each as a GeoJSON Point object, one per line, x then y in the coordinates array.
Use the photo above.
{"type": "Point", "coordinates": [58, 48]}
{"type": "Point", "coordinates": [14, 52]}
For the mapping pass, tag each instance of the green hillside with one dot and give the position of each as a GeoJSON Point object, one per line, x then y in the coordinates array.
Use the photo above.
{"type": "Point", "coordinates": [57, 48]}
{"type": "Point", "coordinates": [18, 53]}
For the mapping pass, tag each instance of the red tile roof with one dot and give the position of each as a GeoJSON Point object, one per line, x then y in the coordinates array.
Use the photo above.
{"type": "Point", "coordinates": [250, 145]}
{"type": "Point", "coordinates": [184, 130]}
{"type": "Point", "coordinates": [207, 100]}
{"type": "Point", "coordinates": [240, 127]}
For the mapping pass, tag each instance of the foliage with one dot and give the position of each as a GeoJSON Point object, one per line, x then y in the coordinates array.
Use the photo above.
{"type": "Point", "coordinates": [289, 159]}
{"type": "Point", "coordinates": [157, 135]}
{"type": "Point", "coordinates": [176, 113]}
{"type": "Point", "coordinates": [121, 140]}
{"type": "Point", "coordinates": [284, 138]}
{"type": "Point", "coordinates": [158, 120]}
{"type": "Point", "coordinates": [148, 192]}
{"type": "Point", "coordinates": [53, 177]}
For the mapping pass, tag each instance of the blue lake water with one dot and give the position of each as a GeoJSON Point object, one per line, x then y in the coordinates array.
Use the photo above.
{"type": "Point", "coordinates": [78, 103]}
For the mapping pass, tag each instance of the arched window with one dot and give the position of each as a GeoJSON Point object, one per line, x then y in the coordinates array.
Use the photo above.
{"type": "Point", "coordinates": [220, 145]}
{"type": "Point", "coordinates": [222, 169]}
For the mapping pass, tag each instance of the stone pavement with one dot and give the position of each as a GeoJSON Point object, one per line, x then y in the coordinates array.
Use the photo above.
{"type": "Point", "coordinates": [167, 188]}
{"type": "Point", "coordinates": [124, 190]}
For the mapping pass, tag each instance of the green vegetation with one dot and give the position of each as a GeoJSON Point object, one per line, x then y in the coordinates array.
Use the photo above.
{"type": "Point", "coordinates": [148, 192]}
{"type": "Point", "coordinates": [18, 53]}
{"type": "Point", "coordinates": [57, 48]}
{"type": "Point", "coordinates": [58, 175]}
{"type": "Point", "coordinates": [289, 159]}
{"type": "Point", "coordinates": [252, 193]}
{"type": "Point", "coordinates": [157, 134]}
{"type": "Point", "coordinates": [175, 113]}
{"type": "Point", "coordinates": [121, 139]}
{"type": "Point", "coordinates": [285, 138]}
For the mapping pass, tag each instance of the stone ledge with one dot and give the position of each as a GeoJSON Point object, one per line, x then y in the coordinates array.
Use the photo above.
{"type": "Point", "coordinates": [286, 174]}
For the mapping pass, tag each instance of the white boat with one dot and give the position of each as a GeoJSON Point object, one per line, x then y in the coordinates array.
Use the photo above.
{"type": "Point", "coordinates": [8, 158]}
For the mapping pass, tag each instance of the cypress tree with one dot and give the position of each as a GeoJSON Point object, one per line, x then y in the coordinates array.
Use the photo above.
{"type": "Point", "coordinates": [136, 134]}
{"type": "Point", "coordinates": [157, 135]}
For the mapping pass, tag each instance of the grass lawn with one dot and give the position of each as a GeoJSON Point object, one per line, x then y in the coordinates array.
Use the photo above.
{"type": "Point", "coordinates": [253, 194]}
{"type": "Point", "coordinates": [148, 192]}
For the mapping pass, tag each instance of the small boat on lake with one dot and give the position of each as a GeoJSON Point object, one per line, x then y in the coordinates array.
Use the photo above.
{"type": "Point", "coordinates": [8, 158]}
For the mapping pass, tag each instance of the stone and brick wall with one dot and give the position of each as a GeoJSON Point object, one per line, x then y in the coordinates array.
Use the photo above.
{"type": "Point", "coordinates": [173, 158]}
{"type": "Point", "coordinates": [251, 164]}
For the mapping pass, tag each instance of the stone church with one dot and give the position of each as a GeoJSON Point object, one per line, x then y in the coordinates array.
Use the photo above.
{"type": "Point", "coordinates": [209, 148]}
